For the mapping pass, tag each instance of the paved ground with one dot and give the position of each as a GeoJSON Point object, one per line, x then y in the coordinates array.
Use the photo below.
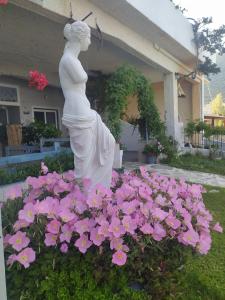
{"type": "Point", "coordinates": [191, 176]}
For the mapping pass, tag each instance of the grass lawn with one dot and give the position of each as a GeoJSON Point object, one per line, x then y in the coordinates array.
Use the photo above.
{"type": "Point", "coordinates": [199, 163]}
{"type": "Point", "coordinates": [204, 276]}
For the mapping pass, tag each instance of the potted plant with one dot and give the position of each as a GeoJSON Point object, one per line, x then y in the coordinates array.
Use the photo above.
{"type": "Point", "coordinates": [152, 151]}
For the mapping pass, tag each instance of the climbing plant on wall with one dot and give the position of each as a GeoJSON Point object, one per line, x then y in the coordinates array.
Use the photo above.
{"type": "Point", "coordinates": [124, 82]}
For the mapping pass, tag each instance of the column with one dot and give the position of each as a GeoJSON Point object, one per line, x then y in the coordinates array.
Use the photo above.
{"type": "Point", "coordinates": [171, 106]}
{"type": "Point", "coordinates": [196, 102]}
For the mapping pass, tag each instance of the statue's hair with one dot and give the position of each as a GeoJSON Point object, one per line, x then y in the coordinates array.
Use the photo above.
{"type": "Point", "coordinates": [78, 29]}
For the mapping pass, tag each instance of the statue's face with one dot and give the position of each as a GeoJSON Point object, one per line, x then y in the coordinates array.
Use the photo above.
{"type": "Point", "coordinates": [85, 42]}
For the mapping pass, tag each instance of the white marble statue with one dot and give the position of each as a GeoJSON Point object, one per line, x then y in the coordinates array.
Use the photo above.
{"type": "Point", "coordinates": [91, 141]}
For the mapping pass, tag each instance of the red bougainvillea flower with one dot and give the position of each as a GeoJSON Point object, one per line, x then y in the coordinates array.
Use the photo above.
{"type": "Point", "coordinates": [3, 2]}
{"type": "Point", "coordinates": [37, 80]}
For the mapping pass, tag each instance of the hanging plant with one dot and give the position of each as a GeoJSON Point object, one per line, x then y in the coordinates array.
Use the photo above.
{"type": "Point", "coordinates": [124, 82]}
{"type": "Point", "coordinates": [37, 80]}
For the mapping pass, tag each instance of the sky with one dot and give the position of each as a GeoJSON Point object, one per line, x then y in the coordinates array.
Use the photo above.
{"type": "Point", "coordinates": [205, 8]}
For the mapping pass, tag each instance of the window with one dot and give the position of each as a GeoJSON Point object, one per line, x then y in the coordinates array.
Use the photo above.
{"type": "Point", "coordinates": [47, 116]}
{"type": "Point", "coordinates": [8, 95]}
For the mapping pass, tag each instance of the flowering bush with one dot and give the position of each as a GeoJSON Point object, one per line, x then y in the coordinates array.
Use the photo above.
{"type": "Point", "coordinates": [57, 211]}
{"type": "Point", "coordinates": [37, 80]}
{"type": "Point", "coordinates": [3, 2]}
{"type": "Point", "coordinates": [153, 148]}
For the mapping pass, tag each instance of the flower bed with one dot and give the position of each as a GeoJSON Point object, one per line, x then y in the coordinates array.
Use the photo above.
{"type": "Point", "coordinates": [144, 222]}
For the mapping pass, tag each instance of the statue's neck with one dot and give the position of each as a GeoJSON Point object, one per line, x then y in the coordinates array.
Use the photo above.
{"type": "Point", "coordinates": [72, 48]}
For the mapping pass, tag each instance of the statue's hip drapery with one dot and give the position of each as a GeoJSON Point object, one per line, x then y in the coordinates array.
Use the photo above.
{"type": "Point", "coordinates": [93, 147]}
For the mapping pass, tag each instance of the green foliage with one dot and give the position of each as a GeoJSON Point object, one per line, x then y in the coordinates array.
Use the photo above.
{"type": "Point", "coordinates": [152, 269]}
{"type": "Point", "coordinates": [59, 163]}
{"type": "Point", "coordinates": [198, 163]}
{"type": "Point", "coordinates": [36, 130]}
{"type": "Point", "coordinates": [124, 82]}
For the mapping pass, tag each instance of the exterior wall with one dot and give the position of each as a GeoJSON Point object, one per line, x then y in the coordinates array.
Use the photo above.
{"type": "Point", "coordinates": [50, 98]}
{"type": "Point", "coordinates": [185, 103]}
{"type": "Point", "coordinates": [158, 89]}
{"type": "Point", "coordinates": [132, 108]}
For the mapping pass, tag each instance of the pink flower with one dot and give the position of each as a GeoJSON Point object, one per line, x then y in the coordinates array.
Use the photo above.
{"type": "Point", "coordinates": [119, 258]}
{"type": "Point", "coordinates": [129, 224]}
{"type": "Point", "coordinates": [19, 240]}
{"type": "Point", "coordinates": [190, 237]}
{"type": "Point", "coordinates": [116, 228]}
{"type": "Point", "coordinates": [173, 222]}
{"type": "Point", "coordinates": [159, 232]}
{"type": "Point", "coordinates": [14, 192]}
{"type": "Point", "coordinates": [204, 243]}
{"type": "Point", "coordinates": [129, 207]}
{"type": "Point", "coordinates": [44, 168]}
{"type": "Point", "coordinates": [50, 239]}
{"type": "Point", "coordinates": [96, 238]}
{"type": "Point", "coordinates": [64, 248]}
{"type": "Point", "coordinates": [218, 228]}
{"type": "Point", "coordinates": [27, 213]}
{"type": "Point", "coordinates": [147, 229]}
{"type": "Point", "coordinates": [103, 229]}
{"type": "Point", "coordinates": [26, 257]}
{"type": "Point", "coordinates": [159, 214]}
{"type": "Point", "coordinates": [49, 206]}
{"type": "Point", "coordinates": [54, 226]}
{"type": "Point", "coordinates": [66, 215]}
{"type": "Point", "coordinates": [82, 226]}
{"type": "Point", "coordinates": [6, 240]}
{"type": "Point", "coordinates": [94, 200]}
{"type": "Point", "coordinates": [20, 224]}
{"type": "Point", "coordinates": [83, 243]}
{"type": "Point", "coordinates": [11, 259]}
{"type": "Point", "coordinates": [37, 80]}
{"type": "Point", "coordinates": [3, 2]}
{"type": "Point", "coordinates": [66, 234]}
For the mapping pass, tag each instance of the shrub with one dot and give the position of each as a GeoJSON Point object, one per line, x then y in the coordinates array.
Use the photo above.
{"type": "Point", "coordinates": [37, 130]}
{"type": "Point", "coordinates": [60, 162]}
{"type": "Point", "coordinates": [144, 224]}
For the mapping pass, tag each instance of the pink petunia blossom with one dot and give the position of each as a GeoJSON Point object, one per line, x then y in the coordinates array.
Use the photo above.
{"type": "Point", "coordinates": [64, 248]}
{"type": "Point", "coordinates": [95, 237]}
{"type": "Point", "coordinates": [44, 168]}
{"type": "Point", "coordinates": [158, 232]}
{"type": "Point", "coordinates": [103, 229]}
{"type": "Point", "coordinates": [119, 258]}
{"type": "Point", "coordinates": [190, 237]}
{"type": "Point", "coordinates": [83, 243]}
{"type": "Point", "coordinates": [19, 241]}
{"type": "Point", "coordinates": [6, 240]}
{"type": "Point", "coordinates": [26, 257]}
{"type": "Point", "coordinates": [82, 226]}
{"type": "Point", "coordinates": [11, 259]}
{"type": "Point", "coordinates": [147, 229]}
{"type": "Point", "coordinates": [66, 215]}
{"type": "Point", "coordinates": [116, 228]}
{"type": "Point", "coordinates": [129, 224]}
{"type": "Point", "coordinates": [66, 233]}
{"type": "Point", "coordinates": [54, 226]}
{"type": "Point", "coordinates": [173, 222]}
{"type": "Point", "coordinates": [27, 213]}
{"type": "Point", "coordinates": [218, 228]}
{"type": "Point", "coordinates": [4, 2]}
{"type": "Point", "coordinates": [50, 239]}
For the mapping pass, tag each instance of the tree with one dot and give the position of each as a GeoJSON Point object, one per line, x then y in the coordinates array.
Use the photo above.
{"type": "Point", "coordinates": [208, 41]}
{"type": "Point", "coordinates": [217, 105]}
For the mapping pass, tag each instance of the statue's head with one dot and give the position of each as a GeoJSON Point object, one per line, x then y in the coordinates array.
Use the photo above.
{"type": "Point", "coordinates": [78, 32]}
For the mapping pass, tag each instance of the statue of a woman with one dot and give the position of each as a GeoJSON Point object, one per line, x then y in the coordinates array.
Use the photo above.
{"type": "Point", "coordinates": [91, 141]}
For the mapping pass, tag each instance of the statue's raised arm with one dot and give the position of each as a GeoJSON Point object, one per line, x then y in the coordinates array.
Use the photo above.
{"type": "Point", "coordinates": [91, 141]}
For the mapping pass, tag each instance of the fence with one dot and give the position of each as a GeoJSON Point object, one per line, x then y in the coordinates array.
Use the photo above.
{"type": "Point", "coordinates": [200, 139]}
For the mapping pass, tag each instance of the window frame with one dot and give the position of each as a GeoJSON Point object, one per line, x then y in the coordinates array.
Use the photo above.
{"type": "Point", "coordinates": [8, 103]}
{"type": "Point", "coordinates": [44, 110]}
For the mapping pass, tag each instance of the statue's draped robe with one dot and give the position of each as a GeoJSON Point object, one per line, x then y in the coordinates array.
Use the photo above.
{"type": "Point", "coordinates": [93, 147]}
